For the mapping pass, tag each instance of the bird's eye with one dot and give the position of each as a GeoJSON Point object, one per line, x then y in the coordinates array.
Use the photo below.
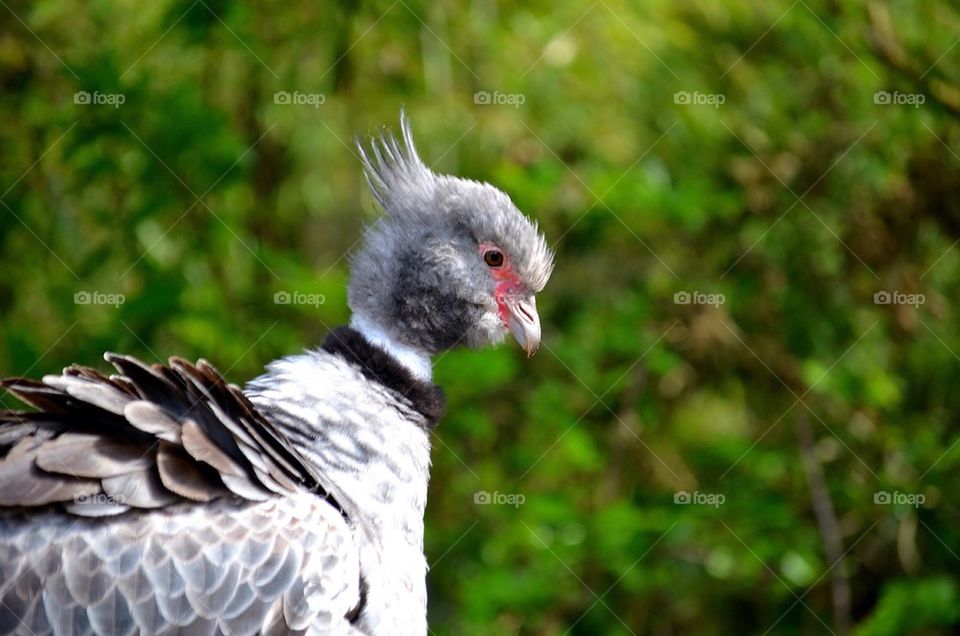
{"type": "Point", "coordinates": [493, 258]}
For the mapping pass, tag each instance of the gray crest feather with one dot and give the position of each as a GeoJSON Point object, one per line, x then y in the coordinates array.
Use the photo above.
{"type": "Point", "coordinates": [394, 170]}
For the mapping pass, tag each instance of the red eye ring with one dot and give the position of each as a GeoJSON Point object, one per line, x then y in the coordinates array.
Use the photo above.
{"type": "Point", "coordinates": [493, 258]}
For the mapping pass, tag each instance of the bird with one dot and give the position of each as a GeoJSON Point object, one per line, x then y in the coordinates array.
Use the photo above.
{"type": "Point", "coordinates": [160, 498]}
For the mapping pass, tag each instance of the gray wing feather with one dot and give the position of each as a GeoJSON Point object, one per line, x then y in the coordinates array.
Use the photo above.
{"type": "Point", "coordinates": [141, 489]}
{"type": "Point", "coordinates": [151, 437]}
{"type": "Point", "coordinates": [23, 481]}
{"type": "Point", "coordinates": [103, 395]}
{"type": "Point", "coordinates": [183, 510]}
{"type": "Point", "coordinates": [151, 418]}
{"type": "Point", "coordinates": [90, 455]}
{"type": "Point", "coordinates": [287, 563]}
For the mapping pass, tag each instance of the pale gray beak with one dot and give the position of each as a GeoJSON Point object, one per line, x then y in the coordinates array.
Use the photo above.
{"type": "Point", "coordinates": [524, 323]}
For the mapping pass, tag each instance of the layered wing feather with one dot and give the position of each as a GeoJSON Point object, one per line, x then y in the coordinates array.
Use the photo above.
{"type": "Point", "coordinates": [286, 565]}
{"type": "Point", "coordinates": [149, 437]}
{"type": "Point", "coordinates": [210, 521]}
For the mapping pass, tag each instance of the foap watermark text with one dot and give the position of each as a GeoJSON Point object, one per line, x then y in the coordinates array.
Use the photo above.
{"type": "Point", "coordinates": [483, 498]}
{"type": "Point", "coordinates": [296, 98]}
{"type": "Point", "coordinates": [884, 498]}
{"type": "Point", "coordinates": [96, 98]}
{"type": "Point", "coordinates": [698, 298]}
{"type": "Point", "coordinates": [298, 298]}
{"type": "Point", "coordinates": [496, 98]}
{"type": "Point", "coordinates": [696, 98]}
{"type": "Point", "coordinates": [98, 298]}
{"type": "Point", "coordinates": [896, 98]}
{"type": "Point", "coordinates": [898, 298]}
{"type": "Point", "coordinates": [697, 498]}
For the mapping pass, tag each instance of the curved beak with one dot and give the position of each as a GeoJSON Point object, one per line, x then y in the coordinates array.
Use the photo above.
{"type": "Point", "coordinates": [524, 323]}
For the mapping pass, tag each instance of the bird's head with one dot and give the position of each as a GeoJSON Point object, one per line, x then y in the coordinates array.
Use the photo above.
{"type": "Point", "coordinates": [451, 261]}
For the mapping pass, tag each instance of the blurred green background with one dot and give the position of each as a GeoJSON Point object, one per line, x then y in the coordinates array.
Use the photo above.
{"type": "Point", "coordinates": [776, 456]}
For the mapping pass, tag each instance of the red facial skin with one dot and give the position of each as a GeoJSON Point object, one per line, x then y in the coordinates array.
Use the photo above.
{"type": "Point", "coordinates": [508, 282]}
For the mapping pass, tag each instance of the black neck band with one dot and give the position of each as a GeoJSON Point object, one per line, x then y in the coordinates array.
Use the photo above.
{"type": "Point", "coordinates": [376, 364]}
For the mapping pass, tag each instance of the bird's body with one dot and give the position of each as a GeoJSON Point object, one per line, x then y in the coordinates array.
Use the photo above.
{"type": "Point", "coordinates": [375, 452]}
{"type": "Point", "coordinates": [163, 500]}
{"type": "Point", "coordinates": [204, 568]}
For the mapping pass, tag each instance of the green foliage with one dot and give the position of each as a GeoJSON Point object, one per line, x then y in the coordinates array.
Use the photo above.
{"type": "Point", "coordinates": [914, 607]}
{"type": "Point", "coordinates": [798, 198]}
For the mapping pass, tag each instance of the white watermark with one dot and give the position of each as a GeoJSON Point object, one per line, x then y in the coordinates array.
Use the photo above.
{"type": "Point", "coordinates": [99, 498]}
{"type": "Point", "coordinates": [297, 98]}
{"type": "Point", "coordinates": [696, 98]}
{"type": "Point", "coordinates": [884, 498]}
{"type": "Point", "coordinates": [483, 498]}
{"type": "Point", "coordinates": [96, 98]}
{"type": "Point", "coordinates": [298, 298]}
{"type": "Point", "coordinates": [497, 98]}
{"type": "Point", "coordinates": [698, 298]}
{"type": "Point", "coordinates": [98, 298]}
{"type": "Point", "coordinates": [898, 298]}
{"type": "Point", "coordinates": [697, 498]}
{"type": "Point", "coordinates": [896, 98]}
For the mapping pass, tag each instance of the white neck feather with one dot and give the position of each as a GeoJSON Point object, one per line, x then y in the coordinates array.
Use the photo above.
{"type": "Point", "coordinates": [416, 362]}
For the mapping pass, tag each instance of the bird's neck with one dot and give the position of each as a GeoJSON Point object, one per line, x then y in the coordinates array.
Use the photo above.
{"type": "Point", "coordinates": [417, 362]}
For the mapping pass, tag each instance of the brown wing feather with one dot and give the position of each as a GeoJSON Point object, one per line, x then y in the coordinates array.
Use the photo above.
{"type": "Point", "coordinates": [182, 475]}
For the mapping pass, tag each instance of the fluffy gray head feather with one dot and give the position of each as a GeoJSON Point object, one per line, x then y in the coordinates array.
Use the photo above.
{"type": "Point", "coordinates": [419, 273]}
